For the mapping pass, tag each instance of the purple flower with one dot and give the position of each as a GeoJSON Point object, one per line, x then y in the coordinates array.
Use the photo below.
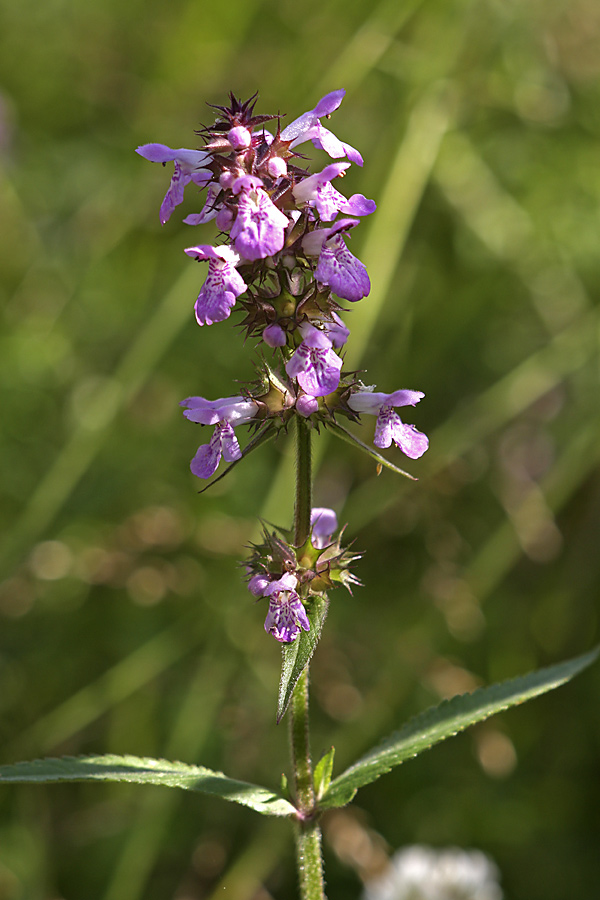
{"type": "Point", "coordinates": [259, 228]}
{"type": "Point", "coordinates": [316, 190]}
{"type": "Point", "coordinates": [315, 364]}
{"type": "Point", "coordinates": [224, 414]}
{"type": "Point", "coordinates": [286, 615]}
{"type": "Point", "coordinates": [390, 426]}
{"type": "Point", "coordinates": [324, 523]}
{"type": "Point", "coordinates": [308, 128]}
{"type": "Point", "coordinates": [223, 283]}
{"type": "Point", "coordinates": [188, 167]}
{"type": "Point", "coordinates": [337, 267]}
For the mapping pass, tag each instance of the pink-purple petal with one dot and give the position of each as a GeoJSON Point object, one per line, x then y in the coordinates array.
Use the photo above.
{"type": "Point", "coordinates": [206, 461]}
{"type": "Point", "coordinates": [341, 271]}
{"type": "Point", "coordinates": [404, 398]}
{"type": "Point", "coordinates": [323, 523]}
{"type": "Point", "coordinates": [259, 228]}
{"type": "Point", "coordinates": [358, 205]}
{"type": "Point", "coordinates": [230, 446]}
{"type": "Point", "coordinates": [413, 443]}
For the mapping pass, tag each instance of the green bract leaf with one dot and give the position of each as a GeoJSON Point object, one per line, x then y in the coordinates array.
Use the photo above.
{"type": "Point", "coordinates": [347, 436]}
{"type": "Point", "coordinates": [266, 433]}
{"type": "Point", "coordinates": [297, 655]}
{"type": "Point", "coordinates": [323, 773]}
{"type": "Point", "coordinates": [146, 771]}
{"type": "Point", "coordinates": [443, 721]}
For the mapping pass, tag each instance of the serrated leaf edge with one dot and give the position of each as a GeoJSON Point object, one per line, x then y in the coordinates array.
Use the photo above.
{"type": "Point", "coordinates": [140, 764]}
{"type": "Point", "coordinates": [577, 665]}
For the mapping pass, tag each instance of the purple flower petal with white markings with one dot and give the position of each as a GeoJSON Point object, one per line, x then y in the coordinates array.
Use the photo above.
{"type": "Point", "coordinates": [308, 128]}
{"type": "Point", "coordinates": [338, 268]}
{"type": "Point", "coordinates": [223, 443]}
{"type": "Point", "coordinates": [286, 615]}
{"type": "Point", "coordinates": [188, 167]}
{"type": "Point", "coordinates": [317, 191]}
{"type": "Point", "coordinates": [223, 283]}
{"type": "Point", "coordinates": [315, 364]}
{"type": "Point", "coordinates": [224, 414]}
{"type": "Point", "coordinates": [326, 105]}
{"type": "Point", "coordinates": [259, 227]}
{"type": "Point", "coordinates": [389, 426]}
{"type": "Point", "coordinates": [326, 140]}
{"type": "Point", "coordinates": [235, 410]}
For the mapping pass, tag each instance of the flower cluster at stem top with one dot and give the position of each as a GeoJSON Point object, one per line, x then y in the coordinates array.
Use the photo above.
{"type": "Point", "coordinates": [285, 261]}
{"type": "Point", "coordinates": [282, 259]}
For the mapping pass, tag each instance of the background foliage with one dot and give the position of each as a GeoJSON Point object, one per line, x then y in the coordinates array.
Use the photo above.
{"type": "Point", "coordinates": [126, 627]}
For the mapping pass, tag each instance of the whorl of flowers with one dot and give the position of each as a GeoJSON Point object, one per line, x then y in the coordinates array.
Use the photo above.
{"type": "Point", "coordinates": [282, 259]}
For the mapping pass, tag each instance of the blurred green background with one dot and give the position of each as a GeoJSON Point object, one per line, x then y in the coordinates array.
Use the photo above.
{"type": "Point", "coordinates": [125, 623]}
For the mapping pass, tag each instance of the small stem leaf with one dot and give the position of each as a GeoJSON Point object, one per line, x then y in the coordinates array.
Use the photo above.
{"type": "Point", "coordinates": [146, 771]}
{"type": "Point", "coordinates": [323, 773]}
{"type": "Point", "coordinates": [347, 436]}
{"type": "Point", "coordinates": [447, 719]}
{"type": "Point", "coordinates": [266, 433]}
{"type": "Point", "coordinates": [297, 655]}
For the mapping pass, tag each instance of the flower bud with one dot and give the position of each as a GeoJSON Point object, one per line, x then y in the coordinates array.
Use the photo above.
{"type": "Point", "coordinates": [274, 336]}
{"type": "Point", "coordinates": [258, 585]}
{"type": "Point", "coordinates": [277, 167]}
{"type": "Point", "coordinates": [239, 137]}
{"type": "Point", "coordinates": [307, 405]}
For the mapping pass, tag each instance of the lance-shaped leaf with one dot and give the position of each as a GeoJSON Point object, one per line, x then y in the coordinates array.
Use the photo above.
{"type": "Point", "coordinates": [323, 773]}
{"type": "Point", "coordinates": [297, 655]}
{"type": "Point", "coordinates": [447, 719]}
{"type": "Point", "coordinates": [266, 433]}
{"type": "Point", "coordinates": [347, 436]}
{"type": "Point", "coordinates": [146, 771]}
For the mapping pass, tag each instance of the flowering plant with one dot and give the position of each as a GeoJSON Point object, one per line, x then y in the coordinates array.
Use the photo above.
{"type": "Point", "coordinates": [283, 261]}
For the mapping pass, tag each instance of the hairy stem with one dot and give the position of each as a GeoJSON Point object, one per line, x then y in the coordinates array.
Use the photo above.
{"type": "Point", "coordinates": [308, 834]}
{"type": "Point", "coordinates": [303, 483]}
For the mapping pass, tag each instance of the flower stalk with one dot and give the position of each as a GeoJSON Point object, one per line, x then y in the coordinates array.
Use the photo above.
{"type": "Point", "coordinates": [283, 261]}
{"type": "Point", "coordinates": [308, 833]}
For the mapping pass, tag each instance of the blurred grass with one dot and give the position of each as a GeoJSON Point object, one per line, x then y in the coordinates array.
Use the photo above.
{"type": "Point", "coordinates": [125, 623]}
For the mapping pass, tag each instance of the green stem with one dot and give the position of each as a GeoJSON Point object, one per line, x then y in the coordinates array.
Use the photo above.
{"type": "Point", "coordinates": [303, 483]}
{"type": "Point", "coordinates": [308, 834]}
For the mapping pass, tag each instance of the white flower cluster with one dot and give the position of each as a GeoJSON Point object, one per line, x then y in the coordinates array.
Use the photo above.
{"type": "Point", "coordinates": [422, 873]}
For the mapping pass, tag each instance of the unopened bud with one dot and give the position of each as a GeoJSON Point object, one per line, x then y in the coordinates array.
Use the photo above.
{"type": "Point", "coordinates": [307, 405]}
{"type": "Point", "coordinates": [239, 137]}
{"type": "Point", "coordinates": [277, 167]}
{"type": "Point", "coordinates": [274, 336]}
